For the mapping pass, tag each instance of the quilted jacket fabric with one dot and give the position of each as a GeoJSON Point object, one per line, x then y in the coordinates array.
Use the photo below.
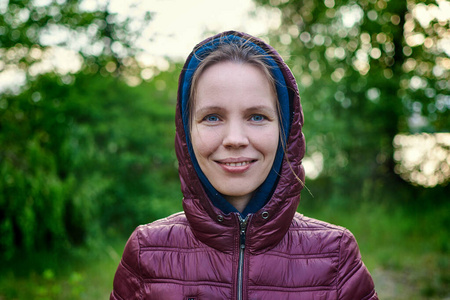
{"type": "Point", "coordinates": [276, 253]}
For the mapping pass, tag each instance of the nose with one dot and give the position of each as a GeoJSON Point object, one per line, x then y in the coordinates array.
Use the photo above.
{"type": "Point", "coordinates": [235, 135]}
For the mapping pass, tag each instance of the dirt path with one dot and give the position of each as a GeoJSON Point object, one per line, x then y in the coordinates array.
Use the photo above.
{"type": "Point", "coordinates": [392, 285]}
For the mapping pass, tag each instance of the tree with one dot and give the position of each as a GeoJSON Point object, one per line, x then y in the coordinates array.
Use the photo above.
{"type": "Point", "coordinates": [80, 150]}
{"type": "Point", "coordinates": [367, 70]}
{"type": "Point", "coordinates": [88, 35]}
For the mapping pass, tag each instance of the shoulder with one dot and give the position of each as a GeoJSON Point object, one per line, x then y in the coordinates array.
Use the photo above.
{"type": "Point", "coordinates": [318, 236]}
{"type": "Point", "coordinates": [303, 224]}
{"type": "Point", "coordinates": [170, 232]}
{"type": "Point", "coordinates": [162, 232]}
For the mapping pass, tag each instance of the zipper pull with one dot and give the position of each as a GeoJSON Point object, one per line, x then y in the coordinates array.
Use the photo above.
{"type": "Point", "coordinates": [243, 228]}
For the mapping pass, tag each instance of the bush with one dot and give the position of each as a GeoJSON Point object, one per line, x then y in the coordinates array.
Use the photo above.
{"type": "Point", "coordinates": [78, 158]}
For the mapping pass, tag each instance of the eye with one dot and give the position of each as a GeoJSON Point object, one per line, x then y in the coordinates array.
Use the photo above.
{"type": "Point", "coordinates": [257, 118]}
{"type": "Point", "coordinates": [211, 118]}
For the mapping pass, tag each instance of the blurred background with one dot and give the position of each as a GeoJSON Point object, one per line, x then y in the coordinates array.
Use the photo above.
{"type": "Point", "coordinates": [87, 103]}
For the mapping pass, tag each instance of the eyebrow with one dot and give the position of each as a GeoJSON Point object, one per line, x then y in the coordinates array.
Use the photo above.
{"type": "Point", "coordinates": [208, 109]}
{"type": "Point", "coordinates": [264, 108]}
{"type": "Point", "coordinates": [223, 108]}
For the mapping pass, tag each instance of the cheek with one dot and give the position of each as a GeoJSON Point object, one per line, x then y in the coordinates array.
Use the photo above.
{"type": "Point", "coordinates": [203, 142]}
{"type": "Point", "coordinates": [269, 142]}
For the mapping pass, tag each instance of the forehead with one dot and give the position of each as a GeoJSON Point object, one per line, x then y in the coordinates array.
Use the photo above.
{"type": "Point", "coordinates": [226, 81]}
{"type": "Point", "coordinates": [231, 70]}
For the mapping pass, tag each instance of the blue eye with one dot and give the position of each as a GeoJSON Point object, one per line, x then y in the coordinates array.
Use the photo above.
{"type": "Point", "coordinates": [258, 118]}
{"type": "Point", "coordinates": [211, 118]}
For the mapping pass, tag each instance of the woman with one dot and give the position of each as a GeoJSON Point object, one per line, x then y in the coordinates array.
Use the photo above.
{"type": "Point", "coordinates": [239, 144]}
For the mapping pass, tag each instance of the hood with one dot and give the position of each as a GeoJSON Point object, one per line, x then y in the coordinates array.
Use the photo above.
{"type": "Point", "coordinates": [209, 214]}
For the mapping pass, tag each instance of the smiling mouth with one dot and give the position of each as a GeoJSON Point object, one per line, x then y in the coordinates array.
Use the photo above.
{"type": "Point", "coordinates": [238, 164]}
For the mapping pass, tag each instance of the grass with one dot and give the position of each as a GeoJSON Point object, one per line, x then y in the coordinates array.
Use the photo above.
{"type": "Point", "coordinates": [405, 248]}
{"type": "Point", "coordinates": [83, 273]}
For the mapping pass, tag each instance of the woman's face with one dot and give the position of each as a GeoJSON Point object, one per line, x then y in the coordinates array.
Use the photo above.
{"type": "Point", "coordinates": [234, 129]}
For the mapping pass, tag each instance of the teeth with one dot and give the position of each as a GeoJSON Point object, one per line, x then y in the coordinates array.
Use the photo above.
{"type": "Point", "coordinates": [239, 164]}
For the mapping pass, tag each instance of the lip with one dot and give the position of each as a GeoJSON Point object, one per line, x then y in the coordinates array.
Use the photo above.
{"type": "Point", "coordinates": [236, 165]}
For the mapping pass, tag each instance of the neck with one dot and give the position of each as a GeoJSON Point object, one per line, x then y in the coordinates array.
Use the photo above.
{"type": "Point", "coordinates": [239, 202]}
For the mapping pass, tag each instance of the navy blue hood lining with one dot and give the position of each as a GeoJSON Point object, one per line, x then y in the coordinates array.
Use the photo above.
{"type": "Point", "coordinates": [265, 191]}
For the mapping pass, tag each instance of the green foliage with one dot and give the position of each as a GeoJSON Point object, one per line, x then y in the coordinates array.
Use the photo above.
{"type": "Point", "coordinates": [83, 157]}
{"type": "Point", "coordinates": [81, 152]}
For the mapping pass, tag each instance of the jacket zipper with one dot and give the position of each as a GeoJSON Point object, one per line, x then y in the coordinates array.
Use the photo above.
{"type": "Point", "coordinates": [242, 230]}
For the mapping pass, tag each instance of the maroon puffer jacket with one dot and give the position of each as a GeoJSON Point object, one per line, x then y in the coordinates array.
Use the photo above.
{"type": "Point", "coordinates": [201, 253]}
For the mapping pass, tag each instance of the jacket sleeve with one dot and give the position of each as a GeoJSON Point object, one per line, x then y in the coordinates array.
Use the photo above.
{"type": "Point", "coordinates": [127, 280]}
{"type": "Point", "coordinates": [355, 281]}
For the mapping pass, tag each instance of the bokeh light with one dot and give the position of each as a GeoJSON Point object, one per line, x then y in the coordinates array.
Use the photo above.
{"type": "Point", "coordinates": [423, 159]}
